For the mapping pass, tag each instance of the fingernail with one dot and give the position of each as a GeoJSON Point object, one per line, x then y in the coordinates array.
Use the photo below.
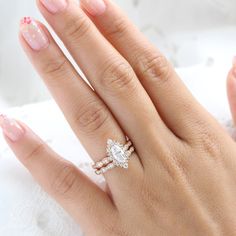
{"type": "Point", "coordinates": [33, 34]}
{"type": "Point", "coordinates": [54, 6]}
{"type": "Point", "coordinates": [11, 128]}
{"type": "Point", "coordinates": [94, 7]}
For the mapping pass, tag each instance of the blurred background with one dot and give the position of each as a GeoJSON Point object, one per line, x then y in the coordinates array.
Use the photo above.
{"type": "Point", "coordinates": [190, 32]}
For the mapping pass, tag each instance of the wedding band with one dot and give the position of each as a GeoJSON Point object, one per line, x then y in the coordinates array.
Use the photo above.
{"type": "Point", "coordinates": [118, 155]}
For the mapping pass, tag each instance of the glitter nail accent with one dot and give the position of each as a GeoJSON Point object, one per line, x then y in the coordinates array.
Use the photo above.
{"type": "Point", "coordinates": [33, 34]}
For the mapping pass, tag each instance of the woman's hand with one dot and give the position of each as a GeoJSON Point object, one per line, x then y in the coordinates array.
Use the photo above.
{"type": "Point", "coordinates": [181, 179]}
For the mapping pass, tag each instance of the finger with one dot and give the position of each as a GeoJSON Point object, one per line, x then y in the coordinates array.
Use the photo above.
{"type": "Point", "coordinates": [60, 178]}
{"type": "Point", "coordinates": [109, 73]}
{"type": "Point", "coordinates": [231, 89]}
{"type": "Point", "coordinates": [87, 114]}
{"type": "Point", "coordinates": [156, 74]}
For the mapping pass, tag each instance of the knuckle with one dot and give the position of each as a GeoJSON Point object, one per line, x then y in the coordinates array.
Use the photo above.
{"type": "Point", "coordinates": [117, 29]}
{"type": "Point", "coordinates": [92, 117]}
{"type": "Point", "coordinates": [209, 143]}
{"type": "Point", "coordinates": [118, 77]}
{"type": "Point", "coordinates": [207, 139]}
{"type": "Point", "coordinates": [76, 27]}
{"type": "Point", "coordinates": [55, 67]}
{"type": "Point", "coordinates": [37, 151]}
{"type": "Point", "coordinates": [153, 66]}
{"type": "Point", "coordinates": [65, 179]}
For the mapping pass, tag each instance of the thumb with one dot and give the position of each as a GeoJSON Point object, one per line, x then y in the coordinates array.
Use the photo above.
{"type": "Point", "coordinates": [231, 89]}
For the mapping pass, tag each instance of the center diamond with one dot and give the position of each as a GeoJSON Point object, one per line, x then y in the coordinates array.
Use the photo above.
{"type": "Point", "coordinates": [118, 153]}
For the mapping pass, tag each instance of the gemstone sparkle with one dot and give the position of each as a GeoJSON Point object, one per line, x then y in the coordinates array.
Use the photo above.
{"type": "Point", "coordinates": [118, 153]}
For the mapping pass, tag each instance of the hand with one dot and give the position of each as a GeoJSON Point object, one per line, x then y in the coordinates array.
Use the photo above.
{"type": "Point", "coordinates": [181, 179]}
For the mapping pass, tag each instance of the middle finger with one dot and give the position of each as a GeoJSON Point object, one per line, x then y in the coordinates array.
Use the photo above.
{"type": "Point", "coordinates": [108, 72]}
{"type": "Point", "coordinates": [88, 116]}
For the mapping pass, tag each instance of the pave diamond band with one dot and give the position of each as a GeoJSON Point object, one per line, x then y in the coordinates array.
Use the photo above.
{"type": "Point", "coordinates": [118, 155]}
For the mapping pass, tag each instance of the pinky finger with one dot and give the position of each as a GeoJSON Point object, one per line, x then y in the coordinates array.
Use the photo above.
{"type": "Point", "coordinates": [231, 89]}
{"type": "Point", "coordinates": [60, 178]}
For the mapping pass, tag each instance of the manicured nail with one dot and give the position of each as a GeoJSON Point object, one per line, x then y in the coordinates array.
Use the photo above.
{"type": "Point", "coordinates": [11, 128]}
{"type": "Point", "coordinates": [33, 34]}
{"type": "Point", "coordinates": [94, 7]}
{"type": "Point", "coordinates": [54, 6]}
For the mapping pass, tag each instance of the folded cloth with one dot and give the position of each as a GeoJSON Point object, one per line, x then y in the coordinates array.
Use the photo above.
{"type": "Point", "coordinates": [25, 209]}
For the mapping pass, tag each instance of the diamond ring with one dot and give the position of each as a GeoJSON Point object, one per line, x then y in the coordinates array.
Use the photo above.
{"type": "Point", "coordinates": [118, 155]}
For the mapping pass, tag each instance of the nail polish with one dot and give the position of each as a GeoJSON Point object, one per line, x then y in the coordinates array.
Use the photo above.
{"type": "Point", "coordinates": [11, 128]}
{"type": "Point", "coordinates": [94, 7]}
{"type": "Point", "coordinates": [33, 34]}
{"type": "Point", "coordinates": [54, 6]}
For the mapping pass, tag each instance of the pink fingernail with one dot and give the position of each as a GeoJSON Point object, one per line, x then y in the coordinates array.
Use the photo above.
{"type": "Point", "coordinates": [33, 34]}
{"type": "Point", "coordinates": [94, 7]}
{"type": "Point", "coordinates": [11, 128]}
{"type": "Point", "coordinates": [54, 6]}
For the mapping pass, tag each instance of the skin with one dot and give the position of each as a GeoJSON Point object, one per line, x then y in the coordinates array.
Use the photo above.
{"type": "Point", "coordinates": [180, 181]}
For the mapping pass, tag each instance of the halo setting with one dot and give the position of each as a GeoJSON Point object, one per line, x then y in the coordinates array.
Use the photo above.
{"type": "Point", "coordinates": [118, 155]}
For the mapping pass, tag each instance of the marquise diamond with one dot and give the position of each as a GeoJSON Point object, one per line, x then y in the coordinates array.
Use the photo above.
{"type": "Point", "coordinates": [118, 153]}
